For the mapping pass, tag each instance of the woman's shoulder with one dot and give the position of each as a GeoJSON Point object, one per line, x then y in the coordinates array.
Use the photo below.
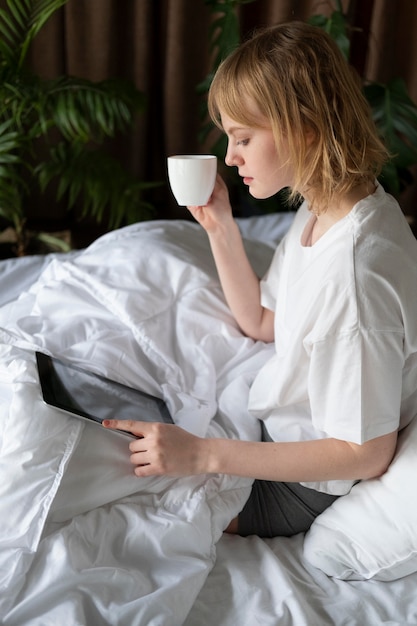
{"type": "Point", "coordinates": [381, 231]}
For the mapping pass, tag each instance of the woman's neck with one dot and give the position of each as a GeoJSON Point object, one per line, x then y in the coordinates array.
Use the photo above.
{"type": "Point", "coordinates": [339, 209]}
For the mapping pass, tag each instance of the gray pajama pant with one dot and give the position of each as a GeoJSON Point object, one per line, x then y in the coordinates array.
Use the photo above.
{"type": "Point", "coordinates": [276, 509]}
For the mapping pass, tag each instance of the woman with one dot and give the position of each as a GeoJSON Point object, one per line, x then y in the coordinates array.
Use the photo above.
{"type": "Point", "coordinates": [339, 297]}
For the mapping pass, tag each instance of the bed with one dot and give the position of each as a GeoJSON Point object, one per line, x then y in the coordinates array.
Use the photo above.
{"type": "Point", "coordinates": [85, 542]}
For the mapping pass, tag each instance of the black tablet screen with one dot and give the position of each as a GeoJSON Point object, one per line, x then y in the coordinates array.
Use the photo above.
{"type": "Point", "coordinates": [94, 397]}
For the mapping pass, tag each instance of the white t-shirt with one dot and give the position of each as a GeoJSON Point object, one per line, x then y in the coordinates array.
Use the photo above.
{"type": "Point", "coordinates": [345, 364]}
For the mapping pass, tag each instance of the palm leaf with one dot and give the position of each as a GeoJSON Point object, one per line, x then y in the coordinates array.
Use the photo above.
{"type": "Point", "coordinates": [21, 23]}
{"type": "Point", "coordinates": [11, 184]}
{"type": "Point", "coordinates": [395, 115]}
{"type": "Point", "coordinates": [103, 184]}
{"type": "Point", "coordinates": [53, 242]}
{"type": "Point", "coordinates": [10, 142]}
{"type": "Point", "coordinates": [336, 27]}
{"type": "Point", "coordinates": [91, 111]}
{"type": "Point", "coordinates": [38, 13]}
{"type": "Point", "coordinates": [83, 113]}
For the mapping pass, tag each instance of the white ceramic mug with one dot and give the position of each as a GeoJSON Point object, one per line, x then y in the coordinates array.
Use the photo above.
{"type": "Point", "coordinates": [192, 178]}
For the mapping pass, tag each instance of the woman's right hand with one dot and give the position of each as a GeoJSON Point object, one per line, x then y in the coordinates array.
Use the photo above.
{"type": "Point", "coordinates": [217, 212]}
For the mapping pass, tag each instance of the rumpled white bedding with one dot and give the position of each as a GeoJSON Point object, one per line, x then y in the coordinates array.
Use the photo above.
{"type": "Point", "coordinates": [80, 533]}
{"type": "Point", "coordinates": [85, 542]}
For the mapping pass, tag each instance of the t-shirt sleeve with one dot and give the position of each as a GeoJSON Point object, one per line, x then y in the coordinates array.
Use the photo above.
{"type": "Point", "coordinates": [355, 393]}
{"type": "Point", "coordinates": [270, 282]}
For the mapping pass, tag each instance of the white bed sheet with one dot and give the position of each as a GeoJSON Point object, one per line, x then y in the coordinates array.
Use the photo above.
{"type": "Point", "coordinates": [101, 550]}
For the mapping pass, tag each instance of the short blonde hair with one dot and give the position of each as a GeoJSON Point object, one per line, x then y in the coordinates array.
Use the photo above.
{"type": "Point", "coordinates": [298, 79]}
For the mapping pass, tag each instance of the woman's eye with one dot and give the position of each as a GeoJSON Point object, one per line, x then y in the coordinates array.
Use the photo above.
{"type": "Point", "coordinates": [242, 142]}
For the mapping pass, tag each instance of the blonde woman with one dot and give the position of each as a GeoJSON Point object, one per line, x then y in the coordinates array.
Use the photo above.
{"type": "Point", "coordinates": [338, 300]}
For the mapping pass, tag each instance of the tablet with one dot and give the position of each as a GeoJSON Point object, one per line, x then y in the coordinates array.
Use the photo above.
{"type": "Point", "coordinates": [94, 398]}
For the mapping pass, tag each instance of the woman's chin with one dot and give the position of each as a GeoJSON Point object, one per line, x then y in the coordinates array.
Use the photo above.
{"type": "Point", "coordinates": [261, 196]}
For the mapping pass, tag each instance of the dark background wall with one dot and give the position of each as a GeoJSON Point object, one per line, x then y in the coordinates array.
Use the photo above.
{"type": "Point", "coordinates": [163, 47]}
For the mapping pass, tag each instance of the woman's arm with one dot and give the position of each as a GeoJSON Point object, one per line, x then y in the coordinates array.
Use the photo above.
{"type": "Point", "coordinates": [303, 461]}
{"type": "Point", "coordinates": [239, 282]}
{"type": "Point", "coordinates": [164, 449]}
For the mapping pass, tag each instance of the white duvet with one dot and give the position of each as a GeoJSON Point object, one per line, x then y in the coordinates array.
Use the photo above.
{"type": "Point", "coordinates": [83, 541]}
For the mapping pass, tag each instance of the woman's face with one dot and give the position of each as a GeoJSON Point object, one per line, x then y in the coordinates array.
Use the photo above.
{"type": "Point", "coordinates": [253, 151]}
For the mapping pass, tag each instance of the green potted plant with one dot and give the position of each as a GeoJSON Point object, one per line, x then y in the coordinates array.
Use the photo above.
{"type": "Point", "coordinates": [54, 130]}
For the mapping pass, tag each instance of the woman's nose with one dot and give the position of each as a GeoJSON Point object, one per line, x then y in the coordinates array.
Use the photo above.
{"type": "Point", "coordinates": [232, 158]}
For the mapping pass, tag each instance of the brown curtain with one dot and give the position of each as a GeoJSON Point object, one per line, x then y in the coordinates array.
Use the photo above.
{"type": "Point", "coordinates": [162, 45]}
